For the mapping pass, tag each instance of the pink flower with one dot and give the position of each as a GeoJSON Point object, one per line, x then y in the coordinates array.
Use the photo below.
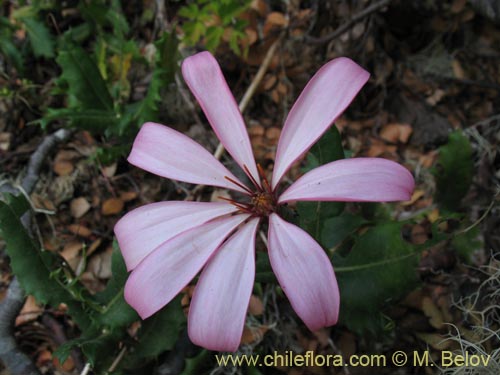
{"type": "Point", "coordinates": [166, 244]}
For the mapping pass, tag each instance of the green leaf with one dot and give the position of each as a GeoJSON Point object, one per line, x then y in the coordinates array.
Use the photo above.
{"type": "Point", "coordinates": [117, 312]}
{"type": "Point", "coordinates": [7, 47]}
{"type": "Point", "coordinates": [160, 332]}
{"type": "Point", "coordinates": [84, 79]}
{"type": "Point", "coordinates": [194, 364]}
{"type": "Point", "coordinates": [38, 271]}
{"type": "Point", "coordinates": [380, 268]}
{"type": "Point", "coordinates": [454, 171]}
{"type": "Point", "coordinates": [336, 229]}
{"type": "Point", "coordinates": [263, 271]}
{"type": "Point", "coordinates": [91, 119]}
{"type": "Point", "coordinates": [313, 214]}
{"type": "Point", "coordinates": [40, 38]}
{"type": "Point", "coordinates": [163, 74]}
{"type": "Point", "coordinates": [466, 243]}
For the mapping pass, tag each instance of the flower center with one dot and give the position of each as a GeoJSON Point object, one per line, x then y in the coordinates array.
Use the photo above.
{"type": "Point", "coordinates": [263, 203]}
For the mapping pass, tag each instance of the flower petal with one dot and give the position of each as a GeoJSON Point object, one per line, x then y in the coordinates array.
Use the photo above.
{"type": "Point", "coordinates": [206, 81]}
{"type": "Point", "coordinates": [142, 230]}
{"type": "Point", "coordinates": [304, 273]}
{"type": "Point", "coordinates": [220, 300]}
{"type": "Point", "coordinates": [324, 99]}
{"type": "Point", "coordinates": [168, 269]}
{"type": "Point", "coordinates": [357, 179]}
{"type": "Point", "coordinates": [166, 152]}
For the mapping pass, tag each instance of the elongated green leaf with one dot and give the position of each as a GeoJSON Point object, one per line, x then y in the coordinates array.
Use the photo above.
{"type": "Point", "coordinates": [93, 120]}
{"type": "Point", "coordinates": [313, 214]}
{"type": "Point", "coordinates": [166, 66]}
{"type": "Point", "coordinates": [336, 229]}
{"type": "Point", "coordinates": [38, 271]}
{"type": "Point", "coordinates": [380, 268]}
{"type": "Point", "coordinates": [454, 171]}
{"type": "Point", "coordinates": [7, 47]}
{"type": "Point", "coordinates": [160, 332]}
{"type": "Point", "coordinates": [84, 80]}
{"type": "Point", "coordinates": [117, 313]}
{"type": "Point", "coordinates": [40, 38]}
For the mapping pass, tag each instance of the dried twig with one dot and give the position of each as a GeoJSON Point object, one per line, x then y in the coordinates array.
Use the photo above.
{"type": "Point", "coordinates": [14, 360]}
{"type": "Point", "coordinates": [347, 25]}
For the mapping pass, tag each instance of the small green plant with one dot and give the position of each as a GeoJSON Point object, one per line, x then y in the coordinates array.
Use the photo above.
{"type": "Point", "coordinates": [211, 21]}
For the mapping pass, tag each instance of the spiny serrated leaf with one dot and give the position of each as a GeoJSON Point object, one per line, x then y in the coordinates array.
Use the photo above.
{"type": "Point", "coordinates": [454, 171]}
{"type": "Point", "coordinates": [117, 312]}
{"type": "Point", "coordinates": [164, 72]}
{"type": "Point", "coordinates": [380, 268]}
{"type": "Point", "coordinates": [336, 229]}
{"type": "Point", "coordinates": [7, 47]}
{"type": "Point", "coordinates": [83, 78]}
{"type": "Point", "coordinates": [313, 214]}
{"type": "Point", "coordinates": [35, 268]}
{"type": "Point", "coordinates": [160, 332]}
{"type": "Point", "coordinates": [40, 38]}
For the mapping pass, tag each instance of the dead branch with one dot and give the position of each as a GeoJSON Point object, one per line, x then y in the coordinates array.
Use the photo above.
{"type": "Point", "coordinates": [347, 25]}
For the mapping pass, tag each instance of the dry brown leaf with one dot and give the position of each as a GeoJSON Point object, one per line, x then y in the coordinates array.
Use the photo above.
{"type": "Point", "coordinates": [128, 196]}
{"type": "Point", "coordinates": [30, 311]}
{"type": "Point", "coordinates": [253, 334]}
{"type": "Point", "coordinates": [42, 202]}
{"type": "Point", "coordinates": [419, 234]}
{"type": "Point", "coordinates": [64, 162]}
{"type": "Point", "coordinates": [276, 18]}
{"type": "Point", "coordinates": [260, 6]}
{"type": "Point", "coordinates": [43, 358]}
{"type": "Point", "coordinates": [63, 167]}
{"type": "Point", "coordinates": [109, 170]}
{"type": "Point", "coordinates": [396, 132]}
{"type": "Point", "coordinates": [377, 149]}
{"type": "Point", "coordinates": [79, 207]}
{"type": "Point", "coordinates": [67, 366]}
{"type": "Point", "coordinates": [273, 134]}
{"type": "Point", "coordinates": [80, 230]}
{"type": "Point", "coordinates": [433, 312]}
{"type": "Point", "coordinates": [71, 250]}
{"type": "Point", "coordinates": [256, 130]}
{"type": "Point", "coordinates": [417, 194]}
{"type": "Point", "coordinates": [5, 141]}
{"type": "Point", "coordinates": [112, 206]}
{"type": "Point", "coordinates": [458, 71]}
{"type": "Point", "coordinates": [100, 264]}
{"type": "Point", "coordinates": [93, 246]}
{"type": "Point", "coordinates": [255, 307]}
{"type": "Point", "coordinates": [269, 81]}
{"type": "Point", "coordinates": [433, 215]}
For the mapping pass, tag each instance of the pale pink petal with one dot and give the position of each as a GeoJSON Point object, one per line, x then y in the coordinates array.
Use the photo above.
{"type": "Point", "coordinates": [324, 99]}
{"type": "Point", "coordinates": [166, 152]}
{"type": "Point", "coordinates": [304, 273]}
{"type": "Point", "coordinates": [172, 265]}
{"type": "Point", "coordinates": [357, 179]}
{"type": "Point", "coordinates": [206, 81]}
{"type": "Point", "coordinates": [220, 301]}
{"type": "Point", "coordinates": [142, 230]}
